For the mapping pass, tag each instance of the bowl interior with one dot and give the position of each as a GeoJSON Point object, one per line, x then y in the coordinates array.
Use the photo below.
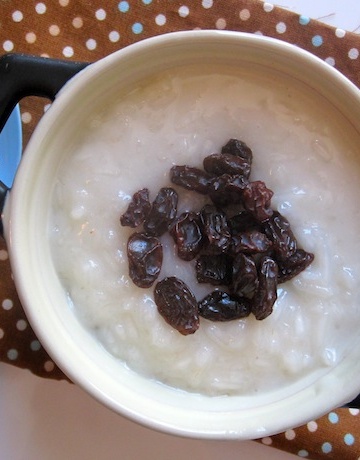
{"type": "Point", "coordinates": [45, 300]}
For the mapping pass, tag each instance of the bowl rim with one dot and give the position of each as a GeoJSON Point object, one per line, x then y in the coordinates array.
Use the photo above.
{"type": "Point", "coordinates": [254, 422]}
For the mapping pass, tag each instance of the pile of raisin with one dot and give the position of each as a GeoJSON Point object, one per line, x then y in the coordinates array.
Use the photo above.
{"type": "Point", "coordinates": [240, 244]}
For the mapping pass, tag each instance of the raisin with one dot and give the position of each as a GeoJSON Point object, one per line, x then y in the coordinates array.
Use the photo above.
{"type": "Point", "coordinates": [191, 178]}
{"type": "Point", "coordinates": [214, 269]}
{"type": "Point", "coordinates": [244, 276]}
{"type": "Point", "coordinates": [225, 163]}
{"type": "Point", "coordinates": [162, 212]}
{"type": "Point", "coordinates": [145, 257]}
{"type": "Point", "coordinates": [294, 265]}
{"type": "Point", "coordinates": [177, 305]}
{"type": "Point", "coordinates": [277, 229]}
{"type": "Point", "coordinates": [242, 222]}
{"type": "Point", "coordinates": [215, 229]}
{"type": "Point", "coordinates": [187, 234]}
{"type": "Point", "coordinates": [266, 294]}
{"type": "Point", "coordinates": [221, 306]}
{"type": "Point", "coordinates": [138, 209]}
{"type": "Point", "coordinates": [257, 199]}
{"type": "Point", "coordinates": [238, 148]}
{"type": "Point", "coordinates": [227, 189]}
{"type": "Point", "coordinates": [250, 242]}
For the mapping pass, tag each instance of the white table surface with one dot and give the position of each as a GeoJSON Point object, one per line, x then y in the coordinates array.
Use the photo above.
{"type": "Point", "coordinates": [46, 420]}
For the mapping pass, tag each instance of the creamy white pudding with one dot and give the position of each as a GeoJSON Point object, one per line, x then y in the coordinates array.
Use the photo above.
{"type": "Point", "coordinates": [304, 150]}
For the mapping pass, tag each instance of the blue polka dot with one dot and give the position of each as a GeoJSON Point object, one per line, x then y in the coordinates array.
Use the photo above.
{"type": "Point", "coordinates": [326, 447]}
{"type": "Point", "coordinates": [12, 354]}
{"type": "Point", "coordinates": [124, 7]}
{"type": "Point", "coordinates": [137, 28]}
{"type": "Point", "coordinates": [317, 40]}
{"type": "Point", "coordinates": [304, 20]}
{"type": "Point", "coordinates": [303, 453]}
{"type": "Point", "coordinates": [333, 417]}
{"type": "Point", "coordinates": [349, 439]}
{"type": "Point", "coordinates": [35, 345]}
{"type": "Point", "coordinates": [147, 2]}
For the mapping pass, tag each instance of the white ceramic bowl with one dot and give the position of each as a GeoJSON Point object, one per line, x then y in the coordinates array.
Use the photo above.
{"type": "Point", "coordinates": [72, 347]}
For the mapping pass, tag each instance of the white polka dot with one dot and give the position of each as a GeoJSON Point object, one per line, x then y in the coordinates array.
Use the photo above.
{"type": "Point", "coordinates": [64, 2]}
{"type": "Point", "coordinates": [340, 33]}
{"type": "Point", "coordinates": [35, 345]}
{"type": "Point", "coordinates": [207, 4]}
{"type": "Point", "coordinates": [220, 23]}
{"type": "Point", "coordinates": [100, 14]}
{"type": "Point", "coordinates": [68, 51]}
{"type": "Point", "coordinates": [267, 441]}
{"type": "Point", "coordinates": [354, 411]}
{"type": "Point", "coordinates": [114, 36]}
{"type": "Point", "coordinates": [26, 117]}
{"type": "Point", "coordinates": [91, 44]}
{"type": "Point", "coordinates": [40, 8]}
{"type": "Point", "coordinates": [7, 304]}
{"type": "Point", "coordinates": [244, 15]}
{"type": "Point", "coordinates": [21, 325]}
{"type": "Point", "coordinates": [160, 19]}
{"type": "Point", "coordinates": [54, 30]}
{"type": "Point", "coordinates": [312, 426]}
{"type": "Point", "coordinates": [77, 22]}
{"type": "Point", "coordinates": [30, 37]}
{"type": "Point", "coordinates": [281, 27]}
{"type": "Point", "coordinates": [353, 53]}
{"type": "Point", "coordinates": [303, 453]}
{"type": "Point", "coordinates": [290, 435]}
{"type": "Point", "coordinates": [268, 7]}
{"type": "Point", "coordinates": [8, 45]}
{"type": "Point", "coordinates": [2, 333]}
{"type": "Point", "coordinates": [4, 254]}
{"type": "Point", "coordinates": [330, 60]}
{"type": "Point", "coordinates": [12, 354]}
{"type": "Point", "coordinates": [49, 366]}
{"type": "Point", "coordinates": [183, 11]}
{"type": "Point", "coordinates": [258, 32]}
{"type": "Point", "coordinates": [17, 16]}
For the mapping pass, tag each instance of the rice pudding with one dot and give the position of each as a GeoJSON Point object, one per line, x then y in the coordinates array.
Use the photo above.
{"type": "Point", "coordinates": [304, 151]}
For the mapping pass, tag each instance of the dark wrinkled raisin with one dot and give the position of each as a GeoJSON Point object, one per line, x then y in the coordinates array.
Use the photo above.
{"type": "Point", "coordinates": [145, 257]}
{"type": "Point", "coordinates": [187, 234]}
{"type": "Point", "coordinates": [214, 269]}
{"type": "Point", "coordinates": [215, 229]}
{"type": "Point", "coordinates": [162, 212]}
{"type": "Point", "coordinates": [238, 148]}
{"type": "Point", "coordinates": [266, 294]}
{"type": "Point", "coordinates": [227, 189]}
{"type": "Point", "coordinates": [250, 242]}
{"type": "Point", "coordinates": [257, 200]}
{"type": "Point", "coordinates": [245, 277]}
{"type": "Point", "coordinates": [177, 305]}
{"type": "Point", "coordinates": [221, 306]}
{"type": "Point", "coordinates": [191, 178]}
{"type": "Point", "coordinates": [225, 163]}
{"type": "Point", "coordinates": [242, 222]}
{"type": "Point", "coordinates": [295, 264]}
{"type": "Point", "coordinates": [138, 209]}
{"type": "Point", "coordinates": [277, 229]}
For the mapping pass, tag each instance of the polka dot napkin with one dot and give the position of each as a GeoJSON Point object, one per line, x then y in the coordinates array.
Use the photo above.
{"type": "Point", "coordinates": [89, 30]}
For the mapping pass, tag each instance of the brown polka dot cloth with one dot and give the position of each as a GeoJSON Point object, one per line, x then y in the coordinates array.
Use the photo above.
{"type": "Point", "coordinates": [86, 30]}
